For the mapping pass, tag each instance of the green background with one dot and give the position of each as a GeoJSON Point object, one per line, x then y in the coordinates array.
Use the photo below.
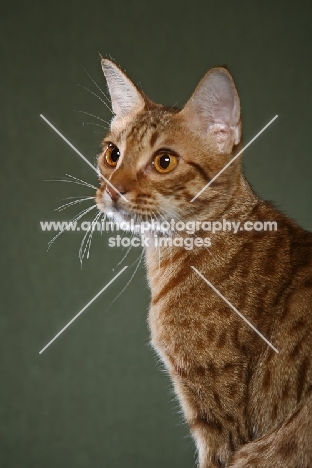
{"type": "Point", "coordinates": [98, 395]}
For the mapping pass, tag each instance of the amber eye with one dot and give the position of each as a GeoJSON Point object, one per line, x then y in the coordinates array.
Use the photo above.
{"type": "Point", "coordinates": [165, 162]}
{"type": "Point", "coordinates": [112, 154]}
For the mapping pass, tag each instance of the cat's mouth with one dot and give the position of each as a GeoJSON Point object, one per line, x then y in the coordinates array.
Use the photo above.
{"type": "Point", "coordinates": [139, 222]}
{"type": "Point", "coordinates": [135, 217]}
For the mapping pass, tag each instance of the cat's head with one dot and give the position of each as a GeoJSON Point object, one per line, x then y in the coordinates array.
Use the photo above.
{"type": "Point", "coordinates": [156, 159]}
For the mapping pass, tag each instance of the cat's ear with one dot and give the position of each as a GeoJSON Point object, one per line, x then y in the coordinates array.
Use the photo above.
{"type": "Point", "coordinates": [125, 96]}
{"type": "Point", "coordinates": [214, 109]}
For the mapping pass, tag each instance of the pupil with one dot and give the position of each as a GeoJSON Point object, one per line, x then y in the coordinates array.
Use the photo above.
{"type": "Point", "coordinates": [115, 155]}
{"type": "Point", "coordinates": [164, 161]}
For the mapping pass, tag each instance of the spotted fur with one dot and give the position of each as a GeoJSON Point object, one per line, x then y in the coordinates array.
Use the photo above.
{"type": "Point", "coordinates": [246, 405]}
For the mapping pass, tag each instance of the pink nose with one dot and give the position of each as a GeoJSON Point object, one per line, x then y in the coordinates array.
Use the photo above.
{"type": "Point", "coordinates": [114, 192]}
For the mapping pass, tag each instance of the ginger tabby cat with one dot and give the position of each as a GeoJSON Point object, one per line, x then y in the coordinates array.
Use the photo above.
{"type": "Point", "coordinates": [246, 405]}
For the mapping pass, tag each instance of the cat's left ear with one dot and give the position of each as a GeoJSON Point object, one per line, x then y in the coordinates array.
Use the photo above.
{"type": "Point", "coordinates": [126, 98]}
{"type": "Point", "coordinates": [214, 109]}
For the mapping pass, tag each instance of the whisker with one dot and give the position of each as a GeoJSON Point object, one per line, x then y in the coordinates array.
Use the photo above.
{"type": "Point", "coordinates": [91, 115]}
{"type": "Point", "coordinates": [77, 196]}
{"type": "Point", "coordinates": [90, 238]}
{"type": "Point", "coordinates": [103, 222]}
{"type": "Point", "coordinates": [165, 219]}
{"type": "Point", "coordinates": [192, 234]}
{"type": "Point", "coordinates": [124, 257]}
{"type": "Point", "coordinates": [138, 259]}
{"type": "Point", "coordinates": [81, 182]}
{"type": "Point", "coordinates": [67, 205]}
{"type": "Point", "coordinates": [82, 250]}
{"type": "Point", "coordinates": [83, 246]}
{"type": "Point", "coordinates": [94, 94]}
{"type": "Point", "coordinates": [98, 87]}
{"type": "Point", "coordinates": [74, 219]}
{"type": "Point", "coordinates": [177, 217]}
{"type": "Point", "coordinates": [70, 181]}
{"type": "Point", "coordinates": [95, 124]}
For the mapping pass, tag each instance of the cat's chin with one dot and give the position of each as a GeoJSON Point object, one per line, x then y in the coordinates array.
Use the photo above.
{"type": "Point", "coordinates": [136, 222]}
{"type": "Point", "coordinates": [119, 216]}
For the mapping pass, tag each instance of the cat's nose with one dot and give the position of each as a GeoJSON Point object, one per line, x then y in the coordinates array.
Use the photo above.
{"type": "Point", "coordinates": [115, 191]}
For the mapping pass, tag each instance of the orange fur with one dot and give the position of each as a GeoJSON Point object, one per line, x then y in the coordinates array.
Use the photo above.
{"type": "Point", "coordinates": [246, 405]}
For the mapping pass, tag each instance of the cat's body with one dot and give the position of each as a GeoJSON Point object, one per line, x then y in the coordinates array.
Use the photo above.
{"type": "Point", "coordinates": [233, 387]}
{"type": "Point", "coordinates": [246, 405]}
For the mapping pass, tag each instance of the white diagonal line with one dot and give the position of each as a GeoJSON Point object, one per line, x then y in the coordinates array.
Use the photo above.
{"type": "Point", "coordinates": [83, 157]}
{"type": "Point", "coordinates": [68, 142]}
{"type": "Point", "coordinates": [83, 309]}
{"type": "Point", "coordinates": [234, 308]}
{"type": "Point", "coordinates": [233, 159]}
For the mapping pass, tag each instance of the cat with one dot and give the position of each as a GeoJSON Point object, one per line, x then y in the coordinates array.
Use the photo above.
{"type": "Point", "coordinates": [246, 404]}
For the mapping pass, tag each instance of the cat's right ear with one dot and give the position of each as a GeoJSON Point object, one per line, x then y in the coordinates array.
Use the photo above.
{"type": "Point", "coordinates": [126, 98]}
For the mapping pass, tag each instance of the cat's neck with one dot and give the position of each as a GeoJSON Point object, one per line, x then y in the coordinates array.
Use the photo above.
{"type": "Point", "coordinates": [163, 260]}
{"type": "Point", "coordinates": [240, 204]}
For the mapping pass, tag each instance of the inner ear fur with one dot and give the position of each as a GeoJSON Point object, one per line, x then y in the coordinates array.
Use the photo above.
{"type": "Point", "coordinates": [214, 109]}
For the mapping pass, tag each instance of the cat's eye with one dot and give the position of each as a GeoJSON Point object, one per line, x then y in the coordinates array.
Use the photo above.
{"type": "Point", "coordinates": [111, 154]}
{"type": "Point", "coordinates": [165, 162]}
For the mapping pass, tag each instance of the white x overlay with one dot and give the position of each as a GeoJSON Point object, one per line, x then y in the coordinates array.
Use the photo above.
{"type": "Point", "coordinates": [83, 309]}
{"type": "Point", "coordinates": [194, 198]}
{"type": "Point", "coordinates": [233, 308]}
{"type": "Point", "coordinates": [84, 158]}
{"type": "Point", "coordinates": [233, 159]}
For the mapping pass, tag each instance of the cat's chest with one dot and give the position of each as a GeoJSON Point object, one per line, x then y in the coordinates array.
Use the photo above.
{"type": "Point", "coordinates": [191, 325]}
{"type": "Point", "coordinates": [187, 322]}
